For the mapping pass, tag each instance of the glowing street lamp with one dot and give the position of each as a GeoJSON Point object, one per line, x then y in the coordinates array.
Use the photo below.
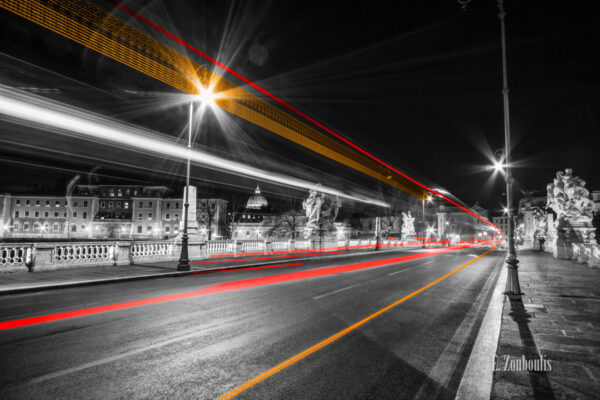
{"type": "Point", "coordinates": [207, 98]}
{"type": "Point", "coordinates": [512, 262]}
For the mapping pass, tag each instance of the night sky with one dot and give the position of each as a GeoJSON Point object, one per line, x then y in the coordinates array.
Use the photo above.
{"type": "Point", "coordinates": [418, 85]}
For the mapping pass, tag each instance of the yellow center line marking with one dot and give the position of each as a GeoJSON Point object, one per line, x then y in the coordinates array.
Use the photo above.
{"type": "Point", "coordinates": [338, 335]}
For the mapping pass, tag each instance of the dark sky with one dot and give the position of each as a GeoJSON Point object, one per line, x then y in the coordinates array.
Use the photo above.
{"type": "Point", "coordinates": [416, 83]}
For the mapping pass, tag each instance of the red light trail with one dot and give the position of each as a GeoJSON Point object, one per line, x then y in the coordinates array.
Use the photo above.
{"type": "Point", "coordinates": [222, 287]}
{"type": "Point", "coordinates": [295, 110]}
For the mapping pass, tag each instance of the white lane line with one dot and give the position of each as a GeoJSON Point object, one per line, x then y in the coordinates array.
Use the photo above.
{"type": "Point", "coordinates": [335, 291]}
{"type": "Point", "coordinates": [406, 269]}
{"type": "Point", "coordinates": [186, 334]}
{"type": "Point", "coordinates": [397, 272]}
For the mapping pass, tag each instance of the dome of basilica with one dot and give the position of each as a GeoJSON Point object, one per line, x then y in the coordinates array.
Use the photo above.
{"type": "Point", "coordinates": [257, 201]}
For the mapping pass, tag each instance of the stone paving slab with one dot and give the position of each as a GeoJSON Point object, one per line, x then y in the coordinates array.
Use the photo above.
{"type": "Point", "coordinates": [558, 316]}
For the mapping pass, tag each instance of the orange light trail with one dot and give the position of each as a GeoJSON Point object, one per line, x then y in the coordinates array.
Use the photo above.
{"type": "Point", "coordinates": [90, 26]}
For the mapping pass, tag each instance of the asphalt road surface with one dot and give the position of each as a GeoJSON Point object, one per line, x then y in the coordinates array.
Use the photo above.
{"type": "Point", "coordinates": [202, 336]}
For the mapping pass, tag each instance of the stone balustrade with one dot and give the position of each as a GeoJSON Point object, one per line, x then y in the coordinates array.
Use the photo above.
{"type": "Point", "coordinates": [164, 249]}
{"type": "Point", "coordinates": [281, 245]}
{"type": "Point", "coordinates": [83, 253]}
{"type": "Point", "coordinates": [302, 244]}
{"type": "Point", "coordinates": [15, 256]}
{"type": "Point", "coordinates": [221, 246]}
{"type": "Point", "coordinates": [23, 257]}
{"type": "Point", "coordinates": [249, 246]}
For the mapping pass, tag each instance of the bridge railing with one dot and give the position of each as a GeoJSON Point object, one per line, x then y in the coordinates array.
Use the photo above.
{"type": "Point", "coordinates": [22, 257]}
{"type": "Point", "coordinates": [162, 249]}
{"type": "Point", "coordinates": [14, 255]}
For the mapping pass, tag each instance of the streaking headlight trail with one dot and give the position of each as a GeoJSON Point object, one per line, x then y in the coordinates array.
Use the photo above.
{"type": "Point", "coordinates": [37, 111]}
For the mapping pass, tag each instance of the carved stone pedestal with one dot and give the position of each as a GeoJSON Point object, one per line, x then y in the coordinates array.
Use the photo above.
{"type": "Point", "coordinates": [573, 236]}
{"type": "Point", "coordinates": [562, 248]}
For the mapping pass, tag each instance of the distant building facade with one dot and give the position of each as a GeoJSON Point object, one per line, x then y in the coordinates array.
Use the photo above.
{"type": "Point", "coordinates": [105, 212]}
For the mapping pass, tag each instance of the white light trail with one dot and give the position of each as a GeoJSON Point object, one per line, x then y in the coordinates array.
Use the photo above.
{"type": "Point", "coordinates": [50, 114]}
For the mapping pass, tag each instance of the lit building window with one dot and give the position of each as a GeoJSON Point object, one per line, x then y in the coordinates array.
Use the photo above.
{"type": "Point", "coordinates": [126, 205]}
{"type": "Point", "coordinates": [57, 203]}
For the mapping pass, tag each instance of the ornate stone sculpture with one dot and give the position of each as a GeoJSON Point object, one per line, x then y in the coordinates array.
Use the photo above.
{"type": "Point", "coordinates": [319, 210]}
{"type": "Point", "coordinates": [569, 198]}
{"type": "Point", "coordinates": [408, 226]}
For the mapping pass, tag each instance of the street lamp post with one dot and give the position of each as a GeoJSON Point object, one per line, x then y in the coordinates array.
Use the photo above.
{"type": "Point", "coordinates": [512, 262]}
{"type": "Point", "coordinates": [423, 218]}
{"type": "Point", "coordinates": [184, 260]}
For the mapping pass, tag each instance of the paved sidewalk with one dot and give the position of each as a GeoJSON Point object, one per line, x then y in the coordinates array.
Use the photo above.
{"type": "Point", "coordinates": [558, 316]}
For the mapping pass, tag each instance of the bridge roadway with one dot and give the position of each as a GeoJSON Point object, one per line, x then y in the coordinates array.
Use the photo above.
{"type": "Point", "coordinates": [224, 329]}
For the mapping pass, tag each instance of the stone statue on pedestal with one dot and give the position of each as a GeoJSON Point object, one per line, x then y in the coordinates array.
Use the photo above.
{"type": "Point", "coordinates": [569, 198]}
{"type": "Point", "coordinates": [408, 226]}
{"type": "Point", "coordinates": [320, 211]}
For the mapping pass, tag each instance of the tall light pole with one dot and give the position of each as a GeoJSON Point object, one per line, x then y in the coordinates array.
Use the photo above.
{"type": "Point", "coordinates": [207, 98]}
{"type": "Point", "coordinates": [423, 218]}
{"type": "Point", "coordinates": [184, 260]}
{"type": "Point", "coordinates": [512, 262]}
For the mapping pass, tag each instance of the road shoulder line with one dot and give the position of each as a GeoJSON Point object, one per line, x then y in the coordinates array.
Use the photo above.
{"type": "Point", "coordinates": [476, 383]}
